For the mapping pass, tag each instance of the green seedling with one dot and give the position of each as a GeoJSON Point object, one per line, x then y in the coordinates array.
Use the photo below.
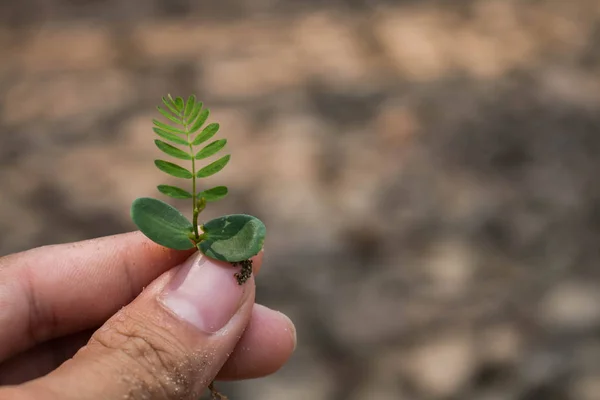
{"type": "Point", "coordinates": [233, 238]}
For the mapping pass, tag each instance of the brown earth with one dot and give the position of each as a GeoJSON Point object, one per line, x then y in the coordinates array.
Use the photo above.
{"type": "Point", "coordinates": [427, 172]}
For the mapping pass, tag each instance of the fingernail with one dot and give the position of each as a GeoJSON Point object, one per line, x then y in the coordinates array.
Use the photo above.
{"type": "Point", "coordinates": [204, 293]}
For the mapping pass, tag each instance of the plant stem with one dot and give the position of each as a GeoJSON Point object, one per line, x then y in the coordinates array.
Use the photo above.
{"type": "Point", "coordinates": [195, 209]}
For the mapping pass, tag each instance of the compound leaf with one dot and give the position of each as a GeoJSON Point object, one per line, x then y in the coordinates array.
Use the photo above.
{"type": "Point", "coordinates": [162, 223]}
{"type": "Point", "coordinates": [211, 149]}
{"type": "Point", "coordinates": [207, 133]}
{"type": "Point", "coordinates": [175, 192]}
{"type": "Point", "coordinates": [172, 150]}
{"type": "Point", "coordinates": [213, 194]}
{"type": "Point", "coordinates": [173, 169]}
{"type": "Point", "coordinates": [233, 238]}
{"type": "Point", "coordinates": [213, 167]}
{"type": "Point", "coordinates": [170, 136]}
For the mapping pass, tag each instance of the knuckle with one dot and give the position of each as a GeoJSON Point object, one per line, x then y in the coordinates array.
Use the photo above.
{"type": "Point", "coordinates": [150, 353]}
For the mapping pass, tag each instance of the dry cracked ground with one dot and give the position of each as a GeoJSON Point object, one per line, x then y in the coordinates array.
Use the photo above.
{"type": "Point", "coordinates": [427, 170]}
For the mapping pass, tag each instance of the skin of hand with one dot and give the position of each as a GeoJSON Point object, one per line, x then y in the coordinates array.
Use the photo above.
{"type": "Point", "coordinates": [123, 318]}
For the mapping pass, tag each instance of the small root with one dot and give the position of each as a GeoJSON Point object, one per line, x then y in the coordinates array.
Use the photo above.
{"type": "Point", "coordinates": [245, 272]}
{"type": "Point", "coordinates": [215, 394]}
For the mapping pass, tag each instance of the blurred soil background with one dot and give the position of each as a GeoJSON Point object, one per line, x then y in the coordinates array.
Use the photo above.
{"type": "Point", "coordinates": [428, 172]}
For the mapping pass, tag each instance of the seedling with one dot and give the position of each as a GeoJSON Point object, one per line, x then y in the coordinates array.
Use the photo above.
{"type": "Point", "coordinates": [233, 238]}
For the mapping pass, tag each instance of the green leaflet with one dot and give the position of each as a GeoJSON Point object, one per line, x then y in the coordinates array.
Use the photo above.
{"type": "Point", "coordinates": [233, 238]}
{"type": "Point", "coordinates": [213, 167]}
{"type": "Point", "coordinates": [173, 169]}
{"type": "Point", "coordinates": [170, 105]}
{"type": "Point", "coordinates": [167, 115]}
{"type": "Point", "coordinates": [162, 223]}
{"type": "Point", "coordinates": [174, 102]}
{"type": "Point", "coordinates": [195, 112]}
{"type": "Point", "coordinates": [179, 104]}
{"type": "Point", "coordinates": [175, 192]}
{"type": "Point", "coordinates": [213, 194]}
{"type": "Point", "coordinates": [211, 149]}
{"type": "Point", "coordinates": [206, 134]}
{"type": "Point", "coordinates": [170, 136]}
{"type": "Point", "coordinates": [189, 107]}
{"type": "Point", "coordinates": [168, 128]}
{"type": "Point", "coordinates": [202, 117]}
{"type": "Point", "coordinates": [172, 150]}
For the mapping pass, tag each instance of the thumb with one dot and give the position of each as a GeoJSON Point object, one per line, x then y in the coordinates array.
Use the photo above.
{"type": "Point", "coordinates": [169, 343]}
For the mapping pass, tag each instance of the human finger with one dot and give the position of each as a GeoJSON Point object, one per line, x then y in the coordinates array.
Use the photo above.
{"type": "Point", "coordinates": [169, 343]}
{"type": "Point", "coordinates": [53, 291]}
{"type": "Point", "coordinates": [267, 343]}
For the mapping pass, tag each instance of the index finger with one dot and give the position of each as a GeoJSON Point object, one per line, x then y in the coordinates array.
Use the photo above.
{"type": "Point", "coordinates": [56, 290]}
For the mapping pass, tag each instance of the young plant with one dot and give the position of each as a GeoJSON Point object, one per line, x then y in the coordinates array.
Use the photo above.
{"type": "Point", "coordinates": [233, 238]}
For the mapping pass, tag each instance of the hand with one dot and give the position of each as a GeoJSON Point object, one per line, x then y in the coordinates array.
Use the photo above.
{"type": "Point", "coordinates": [168, 323]}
